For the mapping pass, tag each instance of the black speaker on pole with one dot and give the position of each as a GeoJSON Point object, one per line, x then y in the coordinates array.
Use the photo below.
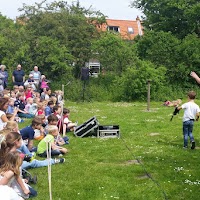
{"type": "Point", "coordinates": [85, 73]}
{"type": "Point", "coordinates": [88, 128]}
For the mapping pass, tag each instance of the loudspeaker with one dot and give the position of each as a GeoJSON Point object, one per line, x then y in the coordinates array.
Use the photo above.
{"type": "Point", "coordinates": [88, 128]}
{"type": "Point", "coordinates": [85, 73]}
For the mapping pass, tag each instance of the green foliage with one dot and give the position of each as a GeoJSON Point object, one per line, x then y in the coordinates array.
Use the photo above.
{"type": "Point", "coordinates": [178, 56]}
{"type": "Point", "coordinates": [67, 24]}
{"type": "Point", "coordinates": [60, 38]}
{"type": "Point", "coordinates": [189, 52]}
{"type": "Point", "coordinates": [52, 57]}
{"type": "Point", "coordinates": [114, 53]}
{"type": "Point", "coordinates": [133, 83]}
{"type": "Point", "coordinates": [158, 47]}
{"type": "Point", "coordinates": [179, 17]}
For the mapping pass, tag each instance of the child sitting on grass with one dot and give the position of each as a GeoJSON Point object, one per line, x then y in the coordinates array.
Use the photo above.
{"type": "Point", "coordinates": [64, 124]}
{"type": "Point", "coordinates": [57, 111]}
{"type": "Point", "coordinates": [49, 108]}
{"type": "Point", "coordinates": [12, 126]}
{"type": "Point", "coordinates": [50, 137]}
{"type": "Point", "coordinates": [30, 107]}
{"type": "Point", "coordinates": [40, 110]}
{"type": "Point", "coordinates": [29, 132]}
{"type": "Point", "coordinates": [13, 142]}
{"type": "Point", "coordinates": [53, 120]}
{"type": "Point", "coordinates": [10, 175]}
{"type": "Point", "coordinates": [20, 104]}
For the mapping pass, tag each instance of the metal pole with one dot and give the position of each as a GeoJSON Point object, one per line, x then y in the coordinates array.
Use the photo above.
{"type": "Point", "coordinates": [148, 95]}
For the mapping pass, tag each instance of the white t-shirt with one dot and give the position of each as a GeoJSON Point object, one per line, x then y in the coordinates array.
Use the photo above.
{"type": "Point", "coordinates": [190, 110]}
{"type": "Point", "coordinates": [7, 193]}
{"type": "Point", "coordinates": [2, 124]}
{"type": "Point", "coordinates": [66, 120]}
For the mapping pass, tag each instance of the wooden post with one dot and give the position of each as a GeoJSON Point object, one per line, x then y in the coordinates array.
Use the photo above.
{"type": "Point", "coordinates": [63, 90]}
{"type": "Point", "coordinates": [148, 95]}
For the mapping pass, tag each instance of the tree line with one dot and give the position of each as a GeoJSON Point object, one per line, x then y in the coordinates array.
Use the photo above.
{"type": "Point", "coordinates": [59, 38]}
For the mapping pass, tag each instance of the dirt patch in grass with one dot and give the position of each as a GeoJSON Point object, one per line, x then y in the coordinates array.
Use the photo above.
{"type": "Point", "coordinates": [154, 134]}
{"type": "Point", "coordinates": [141, 177]}
{"type": "Point", "coordinates": [128, 162]}
{"type": "Point", "coordinates": [131, 162]}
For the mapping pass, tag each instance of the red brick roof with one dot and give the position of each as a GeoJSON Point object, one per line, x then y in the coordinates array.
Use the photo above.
{"type": "Point", "coordinates": [123, 26]}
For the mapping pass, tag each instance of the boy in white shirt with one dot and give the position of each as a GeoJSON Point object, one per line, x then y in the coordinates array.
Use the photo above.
{"type": "Point", "coordinates": [191, 113]}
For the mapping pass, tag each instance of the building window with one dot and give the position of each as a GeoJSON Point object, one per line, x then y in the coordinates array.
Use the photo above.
{"type": "Point", "coordinates": [130, 30]}
{"type": "Point", "coordinates": [114, 28]}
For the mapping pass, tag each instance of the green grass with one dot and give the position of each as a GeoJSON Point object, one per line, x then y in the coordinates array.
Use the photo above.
{"type": "Point", "coordinates": [97, 169]}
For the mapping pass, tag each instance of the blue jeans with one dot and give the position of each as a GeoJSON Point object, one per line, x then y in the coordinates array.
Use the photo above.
{"type": "Point", "coordinates": [187, 131]}
{"type": "Point", "coordinates": [36, 163]}
{"type": "Point", "coordinates": [33, 192]}
{"type": "Point", "coordinates": [53, 153]}
{"type": "Point", "coordinates": [24, 149]}
{"type": "Point", "coordinates": [25, 115]}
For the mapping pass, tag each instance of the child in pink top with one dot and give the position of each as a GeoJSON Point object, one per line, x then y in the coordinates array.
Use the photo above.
{"type": "Point", "coordinates": [44, 82]}
{"type": "Point", "coordinates": [29, 93]}
{"type": "Point", "coordinates": [41, 108]}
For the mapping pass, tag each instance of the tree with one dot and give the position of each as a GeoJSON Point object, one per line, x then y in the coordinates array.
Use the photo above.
{"type": "Point", "coordinates": [113, 52]}
{"type": "Point", "coordinates": [178, 17]}
{"type": "Point", "coordinates": [70, 25]}
{"type": "Point", "coordinates": [13, 46]}
{"type": "Point", "coordinates": [52, 57]}
{"type": "Point", "coordinates": [158, 47]}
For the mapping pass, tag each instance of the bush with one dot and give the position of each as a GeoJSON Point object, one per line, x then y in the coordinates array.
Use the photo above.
{"type": "Point", "coordinates": [132, 85]}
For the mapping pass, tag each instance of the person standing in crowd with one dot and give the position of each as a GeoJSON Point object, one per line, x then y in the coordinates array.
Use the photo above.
{"type": "Point", "coordinates": [18, 76]}
{"type": "Point", "coordinates": [1, 84]}
{"type": "Point", "coordinates": [36, 76]}
{"type": "Point", "coordinates": [5, 74]}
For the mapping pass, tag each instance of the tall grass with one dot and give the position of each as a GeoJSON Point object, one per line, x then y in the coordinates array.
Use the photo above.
{"type": "Point", "coordinates": [146, 162]}
{"type": "Point", "coordinates": [111, 87]}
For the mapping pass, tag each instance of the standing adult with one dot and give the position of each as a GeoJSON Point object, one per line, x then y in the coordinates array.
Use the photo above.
{"type": "Point", "coordinates": [1, 84]}
{"type": "Point", "coordinates": [5, 74]}
{"type": "Point", "coordinates": [36, 76]}
{"type": "Point", "coordinates": [18, 76]}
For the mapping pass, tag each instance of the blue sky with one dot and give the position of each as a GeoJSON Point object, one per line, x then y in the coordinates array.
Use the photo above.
{"type": "Point", "coordinates": [114, 9]}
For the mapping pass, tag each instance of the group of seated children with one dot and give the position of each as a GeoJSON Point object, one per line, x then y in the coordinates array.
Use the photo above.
{"type": "Point", "coordinates": [49, 125]}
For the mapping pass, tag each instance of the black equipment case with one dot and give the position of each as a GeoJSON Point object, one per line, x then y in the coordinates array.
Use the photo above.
{"type": "Point", "coordinates": [89, 128]}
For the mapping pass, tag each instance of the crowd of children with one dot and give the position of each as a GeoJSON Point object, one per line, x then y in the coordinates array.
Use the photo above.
{"type": "Point", "coordinates": [49, 124]}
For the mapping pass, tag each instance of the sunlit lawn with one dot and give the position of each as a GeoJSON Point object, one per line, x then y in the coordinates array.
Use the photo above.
{"type": "Point", "coordinates": [146, 163]}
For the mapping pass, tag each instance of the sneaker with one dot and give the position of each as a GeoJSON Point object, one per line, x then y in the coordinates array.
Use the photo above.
{"type": "Point", "coordinates": [193, 145]}
{"type": "Point", "coordinates": [66, 142]}
{"type": "Point", "coordinates": [59, 160]}
{"type": "Point", "coordinates": [33, 179]}
{"type": "Point", "coordinates": [185, 147]}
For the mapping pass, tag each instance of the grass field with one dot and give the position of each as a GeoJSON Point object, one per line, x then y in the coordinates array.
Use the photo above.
{"type": "Point", "coordinates": [148, 162]}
